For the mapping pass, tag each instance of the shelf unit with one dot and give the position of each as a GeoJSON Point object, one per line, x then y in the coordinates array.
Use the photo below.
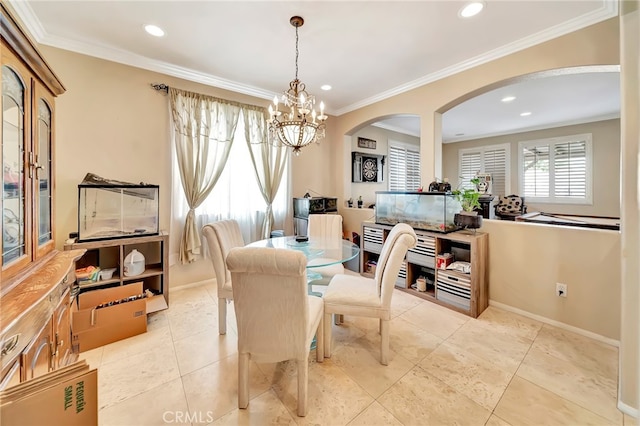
{"type": "Point", "coordinates": [111, 253]}
{"type": "Point", "coordinates": [466, 293]}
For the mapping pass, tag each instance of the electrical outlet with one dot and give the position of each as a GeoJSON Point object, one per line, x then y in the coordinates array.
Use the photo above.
{"type": "Point", "coordinates": [561, 290]}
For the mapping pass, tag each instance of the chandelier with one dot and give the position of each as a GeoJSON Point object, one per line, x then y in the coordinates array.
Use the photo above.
{"type": "Point", "coordinates": [296, 124]}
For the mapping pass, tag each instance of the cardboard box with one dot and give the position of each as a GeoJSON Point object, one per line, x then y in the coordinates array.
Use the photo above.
{"type": "Point", "coordinates": [63, 397]}
{"type": "Point", "coordinates": [444, 260]}
{"type": "Point", "coordinates": [93, 327]}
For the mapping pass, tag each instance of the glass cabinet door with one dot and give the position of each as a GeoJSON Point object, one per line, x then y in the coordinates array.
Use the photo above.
{"type": "Point", "coordinates": [14, 195]}
{"type": "Point", "coordinates": [43, 173]}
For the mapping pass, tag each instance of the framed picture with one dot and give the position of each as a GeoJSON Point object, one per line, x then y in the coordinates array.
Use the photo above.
{"type": "Point", "coordinates": [366, 143]}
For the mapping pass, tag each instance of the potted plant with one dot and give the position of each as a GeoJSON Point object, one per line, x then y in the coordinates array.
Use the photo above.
{"type": "Point", "coordinates": [470, 201]}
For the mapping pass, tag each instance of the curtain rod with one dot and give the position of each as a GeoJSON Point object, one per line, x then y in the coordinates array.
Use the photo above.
{"type": "Point", "coordinates": [161, 87]}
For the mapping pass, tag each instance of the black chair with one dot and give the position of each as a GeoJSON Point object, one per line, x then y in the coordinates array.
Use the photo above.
{"type": "Point", "coordinates": [510, 207]}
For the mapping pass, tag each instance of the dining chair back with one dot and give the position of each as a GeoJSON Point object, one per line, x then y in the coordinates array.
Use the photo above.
{"type": "Point", "coordinates": [276, 318]}
{"type": "Point", "coordinates": [329, 228]}
{"type": "Point", "coordinates": [221, 237]}
{"type": "Point", "coordinates": [370, 297]}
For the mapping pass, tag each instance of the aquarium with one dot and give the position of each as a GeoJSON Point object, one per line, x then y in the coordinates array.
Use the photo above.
{"type": "Point", "coordinates": [114, 211]}
{"type": "Point", "coordinates": [430, 211]}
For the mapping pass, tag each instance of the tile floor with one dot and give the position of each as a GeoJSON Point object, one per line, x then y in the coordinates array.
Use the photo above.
{"type": "Point", "coordinates": [445, 368]}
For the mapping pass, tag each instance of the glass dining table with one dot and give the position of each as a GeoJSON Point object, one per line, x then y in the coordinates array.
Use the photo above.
{"type": "Point", "coordinates": [318, 251]}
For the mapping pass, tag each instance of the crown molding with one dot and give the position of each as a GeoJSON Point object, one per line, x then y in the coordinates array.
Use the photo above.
{"type": "Point", "coordinates": [24, 11]}
{"type": "Point", "coordinates": [35, 28]}
{"type": "Point", "coordinates": [609, 9]}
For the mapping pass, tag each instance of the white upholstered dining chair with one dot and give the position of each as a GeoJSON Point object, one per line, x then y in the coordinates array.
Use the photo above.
{"type": "Point", "coordinates": [221, 237]}
{"type": "Point", "coordinates": [276, 317]}
{"type": "Point", "coordinates": [329, 228]}
{"type": "Point", "coordinates": [370, 297]}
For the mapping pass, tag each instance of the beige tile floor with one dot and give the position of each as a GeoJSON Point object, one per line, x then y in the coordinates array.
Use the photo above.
{"type": "Point", "coordinates": [445, 368]}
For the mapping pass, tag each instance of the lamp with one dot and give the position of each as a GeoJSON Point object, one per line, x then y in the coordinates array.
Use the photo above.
{"type": "Point", "coordinates": [298, 124]}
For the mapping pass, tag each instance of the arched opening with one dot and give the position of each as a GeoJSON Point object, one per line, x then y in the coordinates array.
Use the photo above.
{"type": "Point", "coordinates": [533, 144]}
{"type": "Point", "coordinates": [380, 155]}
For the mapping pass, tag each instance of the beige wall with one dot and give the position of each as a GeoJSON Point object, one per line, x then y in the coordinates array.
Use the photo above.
{"type": "Point", "coordinates": [606, 164]}
{"type": "Point", "coordinates": [629, 392]}
{"type": "Point", "coordinates": [526, 261]}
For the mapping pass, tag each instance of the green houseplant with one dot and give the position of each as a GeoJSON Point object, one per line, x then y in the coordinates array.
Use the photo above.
{"type": "Point", "coordinates": [469, 198]}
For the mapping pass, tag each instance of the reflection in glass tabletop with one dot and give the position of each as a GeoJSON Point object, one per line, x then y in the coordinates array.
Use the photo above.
{"type": "Point", "coordinates": [325, 251]}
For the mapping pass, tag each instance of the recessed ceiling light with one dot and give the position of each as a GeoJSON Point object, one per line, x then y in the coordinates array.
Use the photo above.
{"type": "Point", "coordinates": [471, 9]}
{"type": "Point", "coordinates": [154, 30]}
{"type": "Point", "coordinates": [525, 114]}
{"type": "Point", "coordinates": [508, 99]}
{"type": "Point", "coordinates": [326, 87]}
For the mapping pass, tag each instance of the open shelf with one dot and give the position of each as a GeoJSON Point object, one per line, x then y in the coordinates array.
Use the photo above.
{"type": "Point", "coordinates": [111, 254]}
{"type": "Point", "coordinates": [466, 293]}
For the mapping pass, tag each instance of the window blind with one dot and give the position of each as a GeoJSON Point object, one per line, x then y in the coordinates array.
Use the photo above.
{"type": "Point", "coordinates": [404, 168]}
{"type": "Point", "coordinates": [557, 169]}
{"type": "Point", "coordinates": [492, 159]}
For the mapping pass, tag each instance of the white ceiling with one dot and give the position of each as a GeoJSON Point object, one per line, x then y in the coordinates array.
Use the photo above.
{"type": "Point", "coordinates": [366, 50]}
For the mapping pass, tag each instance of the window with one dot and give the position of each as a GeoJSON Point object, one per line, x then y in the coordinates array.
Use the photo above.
{"type": "Point", "coordinates": [404, 167]}
{"type": "Point", "coordinates": [236, 195]}
{"type": "Point", "coordinates": [492, 159]}
{"type": "Point", "coordinates": [556, 170]}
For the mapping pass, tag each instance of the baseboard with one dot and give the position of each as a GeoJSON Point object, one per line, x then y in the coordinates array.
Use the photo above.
{"type": "Point", "coordinates": [192, 285]}
{"type": "Point", "coordinates": [558, 324]}
{"type": "Point", "coordinates": [628, 410]}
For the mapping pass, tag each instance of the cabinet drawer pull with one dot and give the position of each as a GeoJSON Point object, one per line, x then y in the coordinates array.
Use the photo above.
{"type": "Point", "coordinates": [10, 344]}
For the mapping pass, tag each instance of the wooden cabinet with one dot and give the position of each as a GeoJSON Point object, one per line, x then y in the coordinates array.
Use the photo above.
{"type": "Point", "coordinates": [37, 358]}
{"type": "Point", "coordinates": [29, 87]}
{"type": "Point", "coordinates": [35, 279]}
{"type": "Point", "coordinates": [463, 292]}
{"type": "Point", "coordinates": [61, 337]}
{"type": "Point", "coordinates": [110, 254]}
{"type": "Point", "coordinates": [35, 333]}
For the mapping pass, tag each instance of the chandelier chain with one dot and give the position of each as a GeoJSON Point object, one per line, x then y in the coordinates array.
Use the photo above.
{"type": "Point", "coordinates": [297, 52]}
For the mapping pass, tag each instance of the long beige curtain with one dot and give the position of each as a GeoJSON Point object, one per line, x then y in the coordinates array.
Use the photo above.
{"type": "Point", "coordinates": [269, 160]}
{"type": "Point", "coordinates": [203, 129]}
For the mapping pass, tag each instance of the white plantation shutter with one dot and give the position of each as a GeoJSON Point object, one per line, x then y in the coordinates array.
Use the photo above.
{"type": "Point", "coordinates": [570, 169]}
{"type": "Point", "coordinates": [557, 170]}
{"type": "Point", "coordinates": [404, 168]}
{"type": "Point", "coordinates": [493, 159]}
{"type": "Point", "coordinates": [470, 165]}
{"type": "Point", "coordinates": [536, 171]}
{"type": "Point", "coordinates": [495, 163]}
